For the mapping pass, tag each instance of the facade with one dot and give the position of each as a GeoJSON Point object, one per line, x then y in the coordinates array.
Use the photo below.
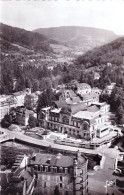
{"type": "Point", "coordinates": [78, 120]}
{"type": "Point", "coordinates": [6, 102]}
{"type": "Point", "coordinates": [59, 174]}
{"type": "Point", "coordinates": [109, 88]}
{"type": "Point", "coordinates": [96, 90]}
{"type": "Point", "coordinates": [22, 115]}
{"type": "Point", "coordinates": [90, 98]}
{"type": "Point", "coordinates": [66, 93]}
{"type": "Point", "coordinates": [83, 88]}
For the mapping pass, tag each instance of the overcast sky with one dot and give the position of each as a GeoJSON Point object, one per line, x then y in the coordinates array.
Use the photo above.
{"type": "Point", "coordinates": [32, 14]}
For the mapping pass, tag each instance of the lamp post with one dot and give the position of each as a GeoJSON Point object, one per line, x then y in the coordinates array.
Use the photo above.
{"type": "Point", "coordinates": [106, 187]}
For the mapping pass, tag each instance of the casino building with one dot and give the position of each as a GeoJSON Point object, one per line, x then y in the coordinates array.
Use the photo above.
{"type": "Point", "coordinates": [78, 120]}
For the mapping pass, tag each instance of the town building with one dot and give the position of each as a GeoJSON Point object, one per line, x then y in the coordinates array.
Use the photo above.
{"type": "Point", "coordinates": [79, 120]}
{"type": "Point", "coordinates": [60, 174]}
{"type": "Point", "coordinates": [96, 75]}
{"type": "Point", "coordinates": [96, 90]}
{"type": "Point", "coordinates": [108, 89]}
{"type": "Point", "coordinates": [22, 115]}
{"type": "Point", "coordinates": [83, 88]}
{"type": "Point", "coordinates": [6, 102]}
{"type": "Point", "coordinates": [20, 95]}
{"type": "Point", "coordinates": [90, 98]}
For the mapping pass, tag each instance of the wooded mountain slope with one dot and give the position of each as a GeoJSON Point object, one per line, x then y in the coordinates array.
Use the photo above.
{"type": "Point", "coordinates": [11, 35]}
{"type": "Point", "coordinates": [78, 36]}
{"type": "Point", "coordinates": [112, 53]}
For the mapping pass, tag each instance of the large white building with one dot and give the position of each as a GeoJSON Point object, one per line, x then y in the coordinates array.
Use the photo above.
{"type": "Point", "coordinates": [78, 120]}
{"type": "Point", "coordinates": [6, 102]}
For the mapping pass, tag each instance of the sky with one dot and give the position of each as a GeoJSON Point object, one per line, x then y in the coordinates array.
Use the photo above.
{"type": "Point", "coordinates": [33, 14]}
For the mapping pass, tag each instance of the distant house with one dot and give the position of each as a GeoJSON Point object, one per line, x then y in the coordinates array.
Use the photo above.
{"type": "Point", "coordinates": [83, 88]}
{"type": "Point", "coordinates": [20, 95]}
{"type": "Point", "coordinates": [108, 89]}
{"type": "Point", "coordinates": [90, 98]}
{"type": "Point", "coordinates": [66, 93]}
{"type": "Point", "coordinates": [6, 102]}
{"type": "Point", "coordinates": [96, 76]}
{"type": "Point", "coordinates": [96, 90]}
{"type": "Point", "coordinates": [22, 115]}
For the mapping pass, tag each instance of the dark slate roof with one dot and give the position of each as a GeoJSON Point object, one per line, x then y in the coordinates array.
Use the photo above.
{"type": "Point", "coordinates": [60, 103]}
{"type": "Point", "coordinates": [83, 86]}
{"type": "Point", "coordinates": [54, 160]}
{"type": "Point", "coordinates": [74, 108]}
{"type": "Point", "coordinates": [73, 100]}
{"type": "Point", "coordinates": [71, 93]}
{"type": "Point", "coordinates": [78, 107]}
{"type": "Point", "coordinates": [93, 108]}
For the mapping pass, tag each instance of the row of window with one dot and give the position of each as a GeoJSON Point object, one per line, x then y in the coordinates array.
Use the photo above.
{"type": "Point", "coordinates": [52, 169]}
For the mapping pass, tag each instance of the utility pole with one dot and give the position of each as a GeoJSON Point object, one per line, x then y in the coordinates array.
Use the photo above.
{"type": "Point", "coordinates": [106, 187]}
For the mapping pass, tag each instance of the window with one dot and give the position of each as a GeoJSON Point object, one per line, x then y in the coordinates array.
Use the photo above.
{"type": "Point", "coordinates": [85, 127]}
{"type": "Point", "coordinates": [44, 184]}
{"type": "Point", "coordinates": [65, 120]}
{"type": "Point", "coordinates": [60, 185]}
{"type": "Point", "coordinates": [60, 178]}
{"type": "Point", "coordinates": [55, 169]}
{"type": "Point", "coordinates": [75, 124]}
{"type": "Point", "coordinates": [78, 124]}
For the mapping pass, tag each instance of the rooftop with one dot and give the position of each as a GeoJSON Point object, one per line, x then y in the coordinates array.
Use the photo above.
{"type": "Point", "coordinates": [57, 160]}
{"type": "Point", "coordinates": [56, 110]}
{"type": "Point", "coordinates": [74, 108]}
{"type": "Point", "coordinates": [93, 108]}
{"type": "Point", "coordinates": [83, 86]}
{"type": "Point", "coordinates": [89, 95]}
{"type": "Point", "coordinates": [85, 115]}
{"type": "Point", "coordinates": [54, 160]}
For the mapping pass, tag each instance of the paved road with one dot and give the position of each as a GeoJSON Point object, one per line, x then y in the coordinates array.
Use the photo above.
{"type": "Point", "coordinates": [45, 143]}
{"type": "Point", "coordinates": [97, 181]}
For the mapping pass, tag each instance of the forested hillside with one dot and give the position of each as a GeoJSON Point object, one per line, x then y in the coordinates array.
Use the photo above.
{"type": "Point", "coordinates": [21, 69]}
{"type": "Point", "coordinates": [11, 38]}
{"type": "Point", "coordinates": [112, 53]}
{"type": "Point", "coordinates": [85, 37]}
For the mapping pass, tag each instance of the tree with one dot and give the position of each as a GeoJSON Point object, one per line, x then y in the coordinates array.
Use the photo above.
{"type": "Point", "coordinates": [12, 112]}
{"type": "Point", "coordinates": [33, 122]}
{"type": "Point", "coordinates": [6, 121]}
{"type": "Point", "coordinates": [104, 98]}
{"type": "Point", "coordinates": [27, 102]}
{"type": "Point", "coordinates": [45, 99]}
{"type": "Point", "coordinates": [120, 114]}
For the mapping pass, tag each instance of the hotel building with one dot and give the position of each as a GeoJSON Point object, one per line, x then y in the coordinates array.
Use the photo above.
{"type": "Point", "coordinates": [60, 174]}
